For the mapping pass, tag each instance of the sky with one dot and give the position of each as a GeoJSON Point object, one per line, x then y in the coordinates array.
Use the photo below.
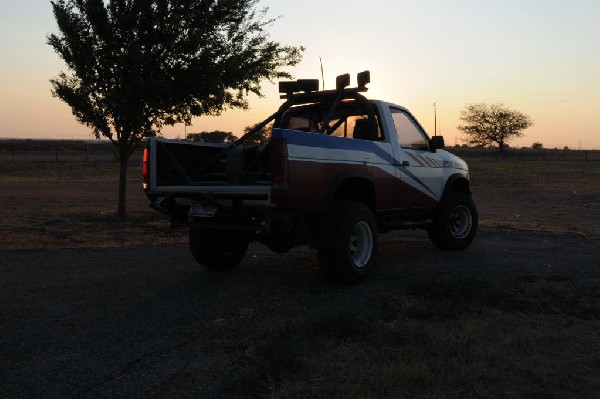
{"type": "Point", "coordinates": [540, 57]}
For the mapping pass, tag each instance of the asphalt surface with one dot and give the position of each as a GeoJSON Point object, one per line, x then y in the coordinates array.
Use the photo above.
{"type": "Point", "coordinates": [148, 321]}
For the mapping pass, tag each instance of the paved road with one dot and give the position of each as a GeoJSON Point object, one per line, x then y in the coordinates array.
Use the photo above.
{"type": "Point", "coordinates": [147, 321]}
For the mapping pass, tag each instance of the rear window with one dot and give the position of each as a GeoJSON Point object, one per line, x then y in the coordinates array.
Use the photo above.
{"type": "Point", "coordinates": [349, 120]}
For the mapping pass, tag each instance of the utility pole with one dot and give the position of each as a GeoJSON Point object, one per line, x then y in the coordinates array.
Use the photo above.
{"type": "Point", "coordinates": [434, 119]}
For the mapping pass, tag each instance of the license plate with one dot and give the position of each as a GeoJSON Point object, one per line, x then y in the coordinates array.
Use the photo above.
{"type": "Point", "coordinates": [202, 209]}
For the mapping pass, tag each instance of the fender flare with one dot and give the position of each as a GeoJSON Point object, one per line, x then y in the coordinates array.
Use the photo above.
{"type": "Point", "coordinates": [342, 178]}
{"type": "Point", "coordinates": [457, 180]}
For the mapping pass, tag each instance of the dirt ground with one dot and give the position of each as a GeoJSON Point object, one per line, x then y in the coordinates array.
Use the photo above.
{"type": "Point", "coordinates": [108, 317]}
{"type": "Point", "coordinates": [65, 205]}
{"type": "Point", "coordinates": [538, 195]}
{"type": "Point", "coordinates": [50, 205]}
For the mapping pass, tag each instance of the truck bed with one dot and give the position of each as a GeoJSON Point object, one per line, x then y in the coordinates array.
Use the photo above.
{"type": "Point", "coordinates": [186, 163]}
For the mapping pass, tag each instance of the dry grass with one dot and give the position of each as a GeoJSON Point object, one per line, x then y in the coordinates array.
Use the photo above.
{"type": "Point", "coordinates": [72, 204]}
{"type": "Point", "coordinates": [452, 338]}
{"type": "Point", "coordinates": [538, 195]}
{"type": "Point", "coordinates": [67, 205]}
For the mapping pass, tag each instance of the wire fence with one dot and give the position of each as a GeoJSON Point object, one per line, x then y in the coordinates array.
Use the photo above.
{"type": "Point", "coordinates": [82, 152]}
{"type": "Point", "coordinates": [61, 152]}
{"type": "Point", "coordinates": [526, 154]}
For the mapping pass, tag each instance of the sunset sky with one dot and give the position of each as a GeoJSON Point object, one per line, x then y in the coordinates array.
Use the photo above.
{"type": "Point", "coordinates": [539, 57]}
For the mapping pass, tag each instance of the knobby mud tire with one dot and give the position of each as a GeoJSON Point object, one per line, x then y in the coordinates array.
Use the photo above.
{"type": "Point", "coordinates": [456, 223]}
{"type": "Point", "coordinates": [347, 246]}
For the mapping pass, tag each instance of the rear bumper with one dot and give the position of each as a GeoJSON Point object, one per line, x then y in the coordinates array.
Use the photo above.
{"type": "Point", "coordinates": [223, 196]}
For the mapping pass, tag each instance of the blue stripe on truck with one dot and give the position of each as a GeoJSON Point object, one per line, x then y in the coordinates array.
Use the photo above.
{"type": "Point", "coordinates": [318, 140]}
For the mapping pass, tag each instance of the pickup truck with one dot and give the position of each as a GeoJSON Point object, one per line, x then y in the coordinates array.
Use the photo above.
{"type": "Point", "coordinates": [337, 170]}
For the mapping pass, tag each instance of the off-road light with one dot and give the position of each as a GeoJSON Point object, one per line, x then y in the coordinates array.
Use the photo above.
{"type": "Point", "coordinates": [308, 85]}
{"type": "Point", "coordinates": [342, 81]}
{"type": "Point", "coordinates": [363, 79]}
{"type": "Point", "coordinates": [288, 87]}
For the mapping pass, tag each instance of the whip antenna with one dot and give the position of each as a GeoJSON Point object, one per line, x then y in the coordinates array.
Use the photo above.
{"type": "Point", "coordinates": [322, 76]}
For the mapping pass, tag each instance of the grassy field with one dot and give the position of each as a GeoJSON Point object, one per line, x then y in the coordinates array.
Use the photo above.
{"type": "Point", "coordinates": [539, 195]}
{"type": "Point", "coordinates": [448, 338]}
{"type": "Point", "coordinates": [438, 338]}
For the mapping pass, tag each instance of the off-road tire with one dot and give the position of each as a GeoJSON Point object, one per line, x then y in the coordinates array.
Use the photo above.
{"type": "Point", "coordinates": [347, 244]}
{"type": "Point", "coordinates": [218, 249]}
{"type": "Point", "coordinates": [456, 222]}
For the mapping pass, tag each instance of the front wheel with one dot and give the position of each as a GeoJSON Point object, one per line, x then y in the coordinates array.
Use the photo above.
{"type": "Point", "coordinates": [218, 249]}
{"type": "Point", "coordinates": [348, 243]}
{"type": "Point", "coordinates": [456, 223]}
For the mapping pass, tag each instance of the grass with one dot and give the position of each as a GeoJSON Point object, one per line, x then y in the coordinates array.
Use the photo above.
{"type": "Point", "coordinates": [73, 205]}
{"type": "Point", "coordinates": [60, 170]}
{"type": "Point", "coordinates": [537, 195]}
{"type": "Point", "coordinates": [445, 338]}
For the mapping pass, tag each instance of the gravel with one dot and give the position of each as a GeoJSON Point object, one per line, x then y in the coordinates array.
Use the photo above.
{"type": "Point", "coordinates": [148, 321]}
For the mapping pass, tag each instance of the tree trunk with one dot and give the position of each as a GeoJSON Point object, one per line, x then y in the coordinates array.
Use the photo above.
{"type": "Point", "coordinates": [123, 160]}
{"type": "Point", "coordinates": [501, 145]}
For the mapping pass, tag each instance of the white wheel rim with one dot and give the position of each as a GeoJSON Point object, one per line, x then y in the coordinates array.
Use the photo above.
{"type": "Point", "coordinates": [361, 244]}
{"type": "Point", "coordinates": [461, 222]}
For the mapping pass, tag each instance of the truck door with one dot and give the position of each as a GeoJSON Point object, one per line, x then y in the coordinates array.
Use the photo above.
{"type": "Point", "coordinates": [419, 171]}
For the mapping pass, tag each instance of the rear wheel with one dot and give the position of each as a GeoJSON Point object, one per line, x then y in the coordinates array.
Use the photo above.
{"type": "Point", "coordinates": [218, 249]}
{"type": "Point", "coordinates": [347, 245]}
{"type": "Point", "coordinates": [456, 223]}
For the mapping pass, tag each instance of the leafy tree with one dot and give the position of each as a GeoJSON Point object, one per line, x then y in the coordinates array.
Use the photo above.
{"type": "Point", "coordinates": [263, 135]}
{"type": "Point", "coordinates": [492, 124]}
{"type": "Point", "coordinates": [136, 65]}
{"type": "Point", "coordinates": [537, 146]}
{"type": "Point", "coordinates": [216, 136]}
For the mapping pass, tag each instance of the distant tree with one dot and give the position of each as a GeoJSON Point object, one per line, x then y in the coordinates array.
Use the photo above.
{"type": "Point", "coordinates": [136, 65]}
{"type": "Point", "coordinates": [537, 146]}
{"type": "Point", "coordinates": [216, 136]}
{"type": "Point", "coordinates": [489, 124]}
{"type": "Point", "coordinates": [263, 135]}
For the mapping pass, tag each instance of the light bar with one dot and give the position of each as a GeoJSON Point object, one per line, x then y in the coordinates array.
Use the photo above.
{"type": "Point", "coordinates": [308, 85]}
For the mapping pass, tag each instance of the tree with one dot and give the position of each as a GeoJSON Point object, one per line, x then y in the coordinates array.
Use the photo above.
{"type": "Point", "coordinates": [537, 146]}
{"type": "Point", "coordinates": [263, 135]}
{"type": "Point", "coordinates": [136, 65]}
{"type": "Point", "coordinates": [492, 124]}
{"type": "Point", "coordinates": [216, 136]}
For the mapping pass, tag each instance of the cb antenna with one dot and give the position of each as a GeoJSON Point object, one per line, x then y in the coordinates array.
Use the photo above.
{"type": "Point", "coordinates": [322, 76]}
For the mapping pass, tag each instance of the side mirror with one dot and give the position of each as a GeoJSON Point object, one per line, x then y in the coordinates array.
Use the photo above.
{"type": "Point", "coordinates": [437, 143]}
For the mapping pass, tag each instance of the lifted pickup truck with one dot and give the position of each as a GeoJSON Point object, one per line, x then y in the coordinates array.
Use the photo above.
{"type": "Point", "coordinates": [337, 170]}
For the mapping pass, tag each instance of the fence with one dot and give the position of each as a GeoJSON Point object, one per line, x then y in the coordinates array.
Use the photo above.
{"type": "Point", "coordinates": [60, 152]}
{"type": "Point", "coordinates": [526, 154]}
{"type": "Point", "coordinates": [96, 152]}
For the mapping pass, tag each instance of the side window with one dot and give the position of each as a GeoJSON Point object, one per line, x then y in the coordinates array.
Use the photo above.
{"type": "Point", "coordinates": [409, 134]}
